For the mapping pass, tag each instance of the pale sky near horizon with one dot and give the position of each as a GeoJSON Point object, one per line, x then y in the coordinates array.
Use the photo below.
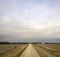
{"type": "Point", "coordinates": [30, 18]}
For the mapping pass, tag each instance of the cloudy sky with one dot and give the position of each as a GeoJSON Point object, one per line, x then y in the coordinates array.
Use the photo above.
{"type": "Point", "coordinates": [30, 18]}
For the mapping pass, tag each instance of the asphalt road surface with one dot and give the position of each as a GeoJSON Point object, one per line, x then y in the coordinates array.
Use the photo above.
{"type": "Point", "coordinates": [30, 52]}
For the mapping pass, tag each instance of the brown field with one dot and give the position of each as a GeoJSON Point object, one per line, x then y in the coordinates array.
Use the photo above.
{"type": "Point", "coordinates": [48, 50]}
{"type": "Point", "coordinates": [53, 46]}
{"type": "Point", "coordinates": [15, 50]}
{"type": "Point", "coordinates": [12, 50]}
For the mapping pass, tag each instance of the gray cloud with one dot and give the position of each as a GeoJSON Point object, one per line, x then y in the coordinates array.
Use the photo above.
{"type": "Point", "coordinates": [30, 19]}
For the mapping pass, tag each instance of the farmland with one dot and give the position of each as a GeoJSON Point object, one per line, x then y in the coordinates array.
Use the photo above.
{"type": "Point", "coordinates": [48, 50]}
{"type": "Point", "coordinates": [12, 50]}
{"type": "Point", "coordinates": [29, 50]}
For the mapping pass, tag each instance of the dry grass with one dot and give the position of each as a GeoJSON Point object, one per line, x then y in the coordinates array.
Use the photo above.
{"type": "Point", "coordinates": [53, 46]}
{"type": "Point", "coordinates": [16, 51]}
{"type": "Point", "coordinates": [46, 50]}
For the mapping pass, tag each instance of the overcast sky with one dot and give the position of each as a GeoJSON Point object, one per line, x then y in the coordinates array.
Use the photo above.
{"type": "Point", "coordinates": [30, 18]}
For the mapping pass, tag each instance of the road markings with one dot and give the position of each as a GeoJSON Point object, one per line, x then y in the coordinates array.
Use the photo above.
{"type": "Point", "coordinates": [30, 52]}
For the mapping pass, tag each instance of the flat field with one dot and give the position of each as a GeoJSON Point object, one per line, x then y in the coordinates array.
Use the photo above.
{"type": "Point", "coordinates": [12, 50]}
{"type": "Point", "coordinates": [48, 50]}
{"type": "Point", "coordinates": [29, 50]}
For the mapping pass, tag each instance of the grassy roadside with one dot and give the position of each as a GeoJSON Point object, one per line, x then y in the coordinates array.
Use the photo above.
{"type": "Point", "coordinates": [44, 52]}
{"type": "Point", "coordinates": [16, 52]}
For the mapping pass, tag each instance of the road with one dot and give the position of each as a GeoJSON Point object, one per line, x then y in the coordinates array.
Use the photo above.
{"type": "Point", "coordinates": [30, 52]}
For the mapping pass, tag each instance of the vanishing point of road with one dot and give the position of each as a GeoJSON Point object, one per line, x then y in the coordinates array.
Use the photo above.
{"type": "Point", "coordinates": [30, 52]}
